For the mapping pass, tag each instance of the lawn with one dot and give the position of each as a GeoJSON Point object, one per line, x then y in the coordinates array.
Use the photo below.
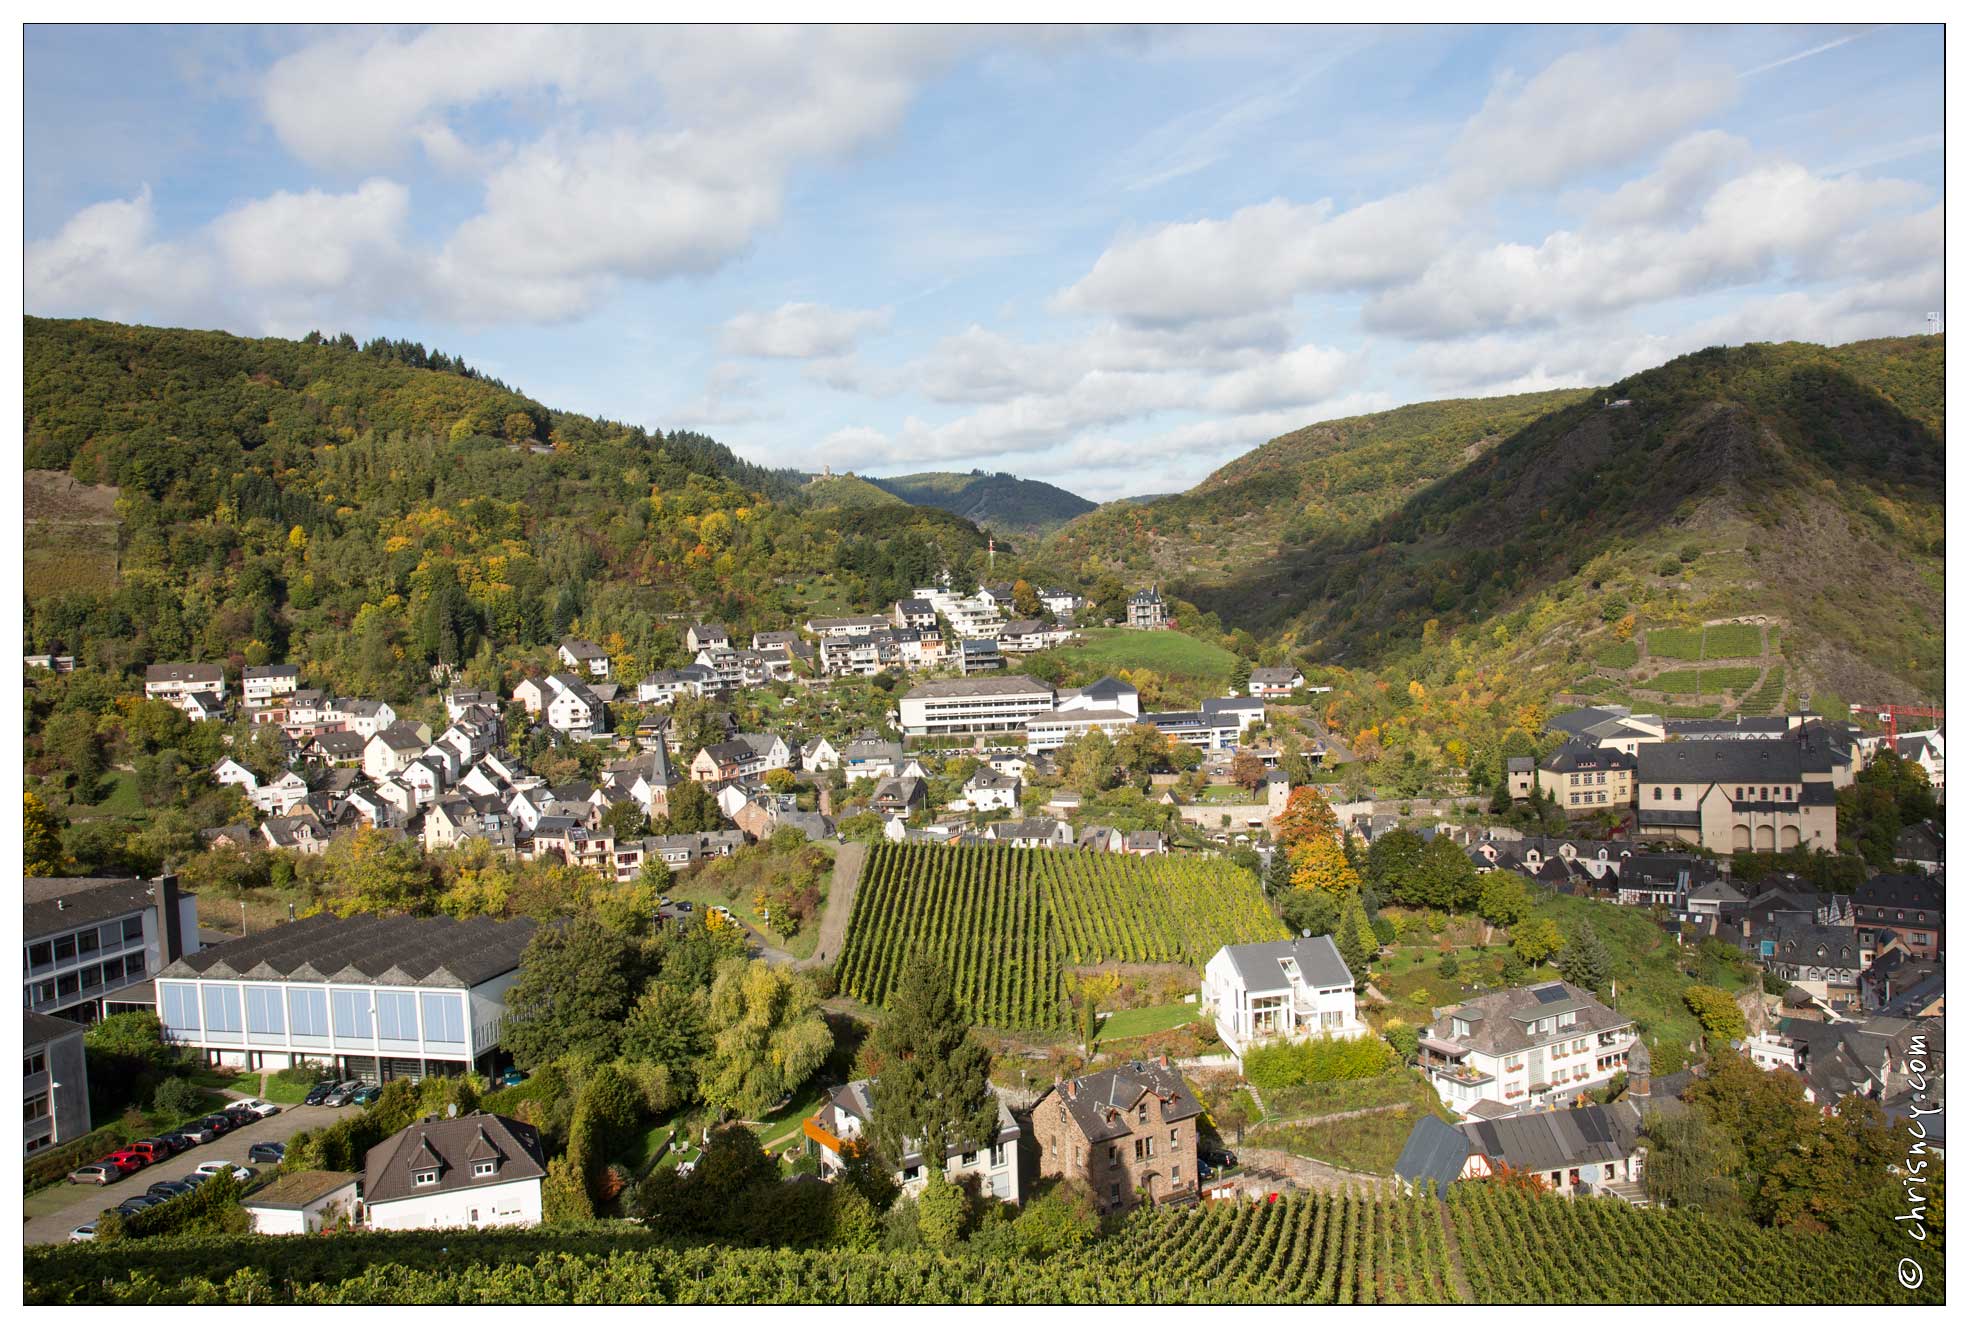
{"type": "Point", "coordinates": [782, 1128]}
{"type": "Point", "coordinates": [1405, 1086]}
{"type": "Point", "coordinates": [1108, 650]}
{"type": "Point", "coordinates": [1618, 655]}
{"type": "Point", "coordinates": [1146, 1020]}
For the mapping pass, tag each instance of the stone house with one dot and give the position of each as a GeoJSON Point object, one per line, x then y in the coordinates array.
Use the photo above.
{"type": "Point", "coordinates": [1129, 1134]}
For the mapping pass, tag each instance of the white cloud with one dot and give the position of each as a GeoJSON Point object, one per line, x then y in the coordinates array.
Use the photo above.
{"type": "Point", "coordinates": [797, 331]}
{"type": "Point", "coordinates": [315, 241]}
{"type": "Point", "coordinates": [107, 261]}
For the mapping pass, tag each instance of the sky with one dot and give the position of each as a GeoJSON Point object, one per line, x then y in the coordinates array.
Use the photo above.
{"type": "Point", "coordinates": [1109, 258]}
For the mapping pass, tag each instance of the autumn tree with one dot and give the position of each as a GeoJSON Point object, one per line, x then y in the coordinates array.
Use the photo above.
{"type": "Point", "coordinates": [1717, 1012]}
{"type": "Point", "coordinates": [768, 1036]}
{"type": "Point", "coordinates": [1307, 816]}
{"type": "Point", "coordinates": [1319, 864]}
{"type": "Point", "coordinates": [1248, 771]}
{"type": "Point", "coordinates": [41, 848]}
{"type": "Point", "coordinates": [1536, 941]}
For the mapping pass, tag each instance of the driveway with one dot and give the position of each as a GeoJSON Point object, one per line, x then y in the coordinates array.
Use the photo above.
{"type": "Point", "coordinates": [89, 1201]}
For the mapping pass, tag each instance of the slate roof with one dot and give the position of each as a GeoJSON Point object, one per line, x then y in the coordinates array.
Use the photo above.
{"type": "Point", "coordinates": [1579, 757]}
{"type": "Point", "coordinates": [1544, 1141]}
{"type": "Point", "coordinates": [1496, 1018]}
{"type": "Point", "coordinates": [37, 1028]}
{"type": "Point", "coordinates": [1100, 1105]}
{"type": "Point", "coordinates": [367, 948]}
{"type": "Point", "coordinates": [1578, 722]}
{"type": "Point", "coordinates": [1258, 963]}
{"type": "Point", "coordinates": [83, 900]}
{"type": "Point", "coordinates": [1280, 674]}
{"type": "Point", "coordinates": [271, 671]}
{"type": "Point", "coordinates": [1899, 890]}
{"type": "Point", "coordinates": [1434, 1155]}
{"type": "Point", "coordinates": [185, 673]}
{"type": "Point", "coordinates": [1516, 764]}
{"type": "Point", "coordinates": [1702, 762]}
{"type": "Point", "coordinates": [451, 1144]}
{"type": "Point", "coordinates": [583, 650]}
{"type": "Point", "coordinates": [1922, 843]}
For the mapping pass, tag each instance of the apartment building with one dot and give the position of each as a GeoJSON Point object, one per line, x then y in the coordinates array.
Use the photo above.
{"type": "Point", "coordinates": [55, 1090]}
{"type": "Point", "coordinates": [1523, 1049]}
{"type": "Point", "coordinates": [999, 703]}
{"type": "Point", "coordinates": [1580, 778]}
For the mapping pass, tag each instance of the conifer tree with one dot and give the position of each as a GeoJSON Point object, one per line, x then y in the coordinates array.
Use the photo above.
{"type": "Point", "coordinates": [1584, 962]}
{"type": "Point", "coordinates": [935, 1087]}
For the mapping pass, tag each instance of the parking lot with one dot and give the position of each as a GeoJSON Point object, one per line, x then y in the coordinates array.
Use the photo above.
{"type": "Point", "coordinates": [92, 1200]}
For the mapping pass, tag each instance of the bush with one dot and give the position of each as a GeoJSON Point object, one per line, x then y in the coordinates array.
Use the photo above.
{"type": "Point", "coordinates": [1318, 1061]}
{"type": "Point", "coordinates": [176, 1099]}
{"type": "Point", "coordinates": [1448, 966]}
{"type": "Point", "coordinates": [211, 1210]}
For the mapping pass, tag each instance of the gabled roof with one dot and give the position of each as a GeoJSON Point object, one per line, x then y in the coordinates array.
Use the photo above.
{"type": "Point", "coordinates": [448, 1144]}
{"type": "Point", "coordinates": [1260, 963]}
{"type": "Point", "coordinates": [1544, 1141]}
{"type": "Point", "coordinates": [1100, 1105]}
{"type": "Point", "coordinates": [1434, 1155]}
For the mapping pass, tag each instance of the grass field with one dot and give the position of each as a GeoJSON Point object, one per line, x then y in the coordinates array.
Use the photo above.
{"type": "Point", "coordinates": [1618, 655]}
{"type": "Point", "coordinates": [1106, 650]}
{"type": "Point", "coordinates": [1147, 1020]}
{"type": "Point", "coordinates": [1675, 644]}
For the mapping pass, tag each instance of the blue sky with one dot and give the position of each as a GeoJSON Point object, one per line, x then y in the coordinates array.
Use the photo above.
{"type": "Point", "coordinates": [1111, 258]}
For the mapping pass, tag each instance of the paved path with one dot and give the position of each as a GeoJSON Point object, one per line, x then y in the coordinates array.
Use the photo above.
{"type": "Point", "coordinates": [92, 1200]}
{"type": "Point", "coordinates": [840, 903]}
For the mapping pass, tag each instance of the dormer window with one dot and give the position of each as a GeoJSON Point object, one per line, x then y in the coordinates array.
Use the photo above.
{"type": "Point", "coordinates": [485, 1169]}
{"type": "Point", "coordinates": [428, 1177]}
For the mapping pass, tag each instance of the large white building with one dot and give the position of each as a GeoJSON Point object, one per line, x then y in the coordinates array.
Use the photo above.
{"type": "Point", "coordinates": [844, 1118]}
{"type": "Point", "coordinates": [189, 687]}
{"type": "Point", "coordinates": [1109, 705]}
{"type": "Point", "coordinates": [1524, 1049]}
{"type": "Point", "coordinates": [367, 996]}
{"type": "Point", "coordinates": [477, 1170]}
{"type": "Point", "coordinates": [1000, 703]}
{"type": "Point", "coordinates": [1286, 990]}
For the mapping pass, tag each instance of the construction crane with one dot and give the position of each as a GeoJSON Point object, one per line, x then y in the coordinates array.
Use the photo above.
{"type": "Point", "coordinates": [1893, 714]}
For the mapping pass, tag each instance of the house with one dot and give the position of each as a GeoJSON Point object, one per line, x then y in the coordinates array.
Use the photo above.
{"type": "Point", "coordinates": [899, 796]}
{"type": "Point", "coordinates": [821, 755]}
{"type": "Point", "coordinates": [359, 715]}
{"type": "Point", "coordinates": [1578, 778]}
{"type": "Point", "coordinates": [584, 656]}
{"type": "Point", "coordinates": [1275, 681]}
{"type": "Point", "coordinates": [303, 1203]}
{"type": "Point", "coordinates": [1920, 847]}
{"type": "Point", "coordinates": [259, 685]}
{"type": "Point", "coordinates": [369, 996]}
{"type": "Point", "coordinates": [1146, 610]}
{"type": "Point", "coordinates": [1129, 1134]}
{"type": "Point", "coordinates": [872, 759]}
{"type": "Point", "coordinates": [1741, 793]}
{"type": "Point", "coordinates": [1279, 990]}
{"type": "Point", "coordinates": [475, 1170]}
{"type": "Point", "coordinates": [842, 1123]}
{"type": "Point", "coordinates": [281, 795]}
{"type": "Point", "coordinates": [89, 944]}
{"type": "Point", "coordinates": [1025, 635]}
{"type": "Point", "coordinates": [1000, 703]}
{"type": "Point", "coordinates": [918, 614]}
{"type": "Point", "coordinates": [54, 664]}
{"type": "Point", "coordinates": [852, 625]}
{"type": "Point", "coordinates": [979, 655]}
{"type": "Point", "coordinates": [1908, 906]}
{"type": "Point", "coordinates": [572, 707]}
{"type": "Point", "coordinates": [706, 636]}
{"type": "Point", "coordinates": [646, 779]}
{"type": "Point", "coordinates": [1032, 833]}
{"type": "Point", "coordinates": [1062, 604]}
{"type": "Point", "coordinates": [1520, 775]}
{"type": "Point", "coordinates": [391, 750]}
{"type": "Point", "coordinates": [1825, 959]}
{"type": "Point", "coordinates": [1924, 749]}
{"type": "Point", "coordinates": [988, 791]}
{"type": "Point", "coordinates": [230, 772]}
{"type": "Point", "coordinates": [1522, 1048]}
{"type": "Point", "coordinates": [340, 747]}
{"type": "Point", "coordinates": [1588, 1150]}
{"type": "Point", "coordinates": [187, 686]}
{"type": "Point", "coordinates": [55, 1087]}
{"type": "Point", "coordinates": [300, 834]}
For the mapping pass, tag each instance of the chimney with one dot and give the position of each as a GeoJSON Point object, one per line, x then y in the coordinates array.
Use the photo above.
{"type": "Point", "coordinates": [1163, 1061]}
{"type": "Point", "coordinates": [1073, 1088]}
{"type": "Point", "coordinates": [166, 895]}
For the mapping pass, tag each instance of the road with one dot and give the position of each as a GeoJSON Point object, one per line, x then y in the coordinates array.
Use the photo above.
{"type": "Point", "coordinates": [92, 1200]}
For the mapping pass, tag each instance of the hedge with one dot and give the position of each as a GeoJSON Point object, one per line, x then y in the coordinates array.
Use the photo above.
{"type": "Point", "coordinates": [1318, 1061]}
{"type": "Point", "coordinates": [51, 1167]}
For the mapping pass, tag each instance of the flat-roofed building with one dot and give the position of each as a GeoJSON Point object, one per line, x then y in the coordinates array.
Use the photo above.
{"type": "Point", "coordinates": [91, 944]}
{"type": "Point", "coordinates": [55, 1092]}
{"type": "Point", "coordinates": [366, 995]}
{"type": "Point", "coordinates": [999, 703]}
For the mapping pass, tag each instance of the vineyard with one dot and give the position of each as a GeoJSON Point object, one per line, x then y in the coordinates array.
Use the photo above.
{"type": "Point", "coordinates": [1523, 1249]}
{"type": "Point", "coordinates": [1008, 922]}
{"type": "Point", "coordinates": [1302, 1249]}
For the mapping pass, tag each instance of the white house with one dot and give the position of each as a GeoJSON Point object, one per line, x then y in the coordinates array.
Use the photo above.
{"type": "Point", "coordinates": [1524, 1049]}
{"type": "Point", "coordinates": [179, 684]}
{"type": "Point", "coordinates": [366, 995]}
{"type": "Point", "coordinates": [476, 1170]}
{"type": "Point", "coordinates": [359, 715]}
{"type": "Point", "coordinates": [392, 749]}
{"type": "Point", "coordinates": [281, 795]}
{"type": "Point", "coordinates": [1292, 990]}
{"type": "Point", "coordinates": [584, 655]}
{"type": "Point", "coordinates": [301, 1203]}
{"type": "Point", "coordinates": [819, 755]}
{"type": "Point", "coordinates": [1282, 681]}
{"type": "Point", "coordinates": [260, 684]}
{"type": "Point", "coordinates": [988, 790]}
{"type": "Point", "coordinates": [845, 1117]}
{"type": "Point", "coordinates": [231, 772]}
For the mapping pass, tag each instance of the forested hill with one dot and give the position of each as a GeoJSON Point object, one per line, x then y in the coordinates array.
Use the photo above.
{"type": "Point", "coordinates": [1008, 505]}
{"type": "Point", "coordinates": [365, 518]}
{"type": "Point", "coordinates": [1798, 484]}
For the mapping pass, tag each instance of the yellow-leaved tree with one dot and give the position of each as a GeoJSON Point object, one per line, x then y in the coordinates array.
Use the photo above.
{"type": "Point", "coordinates": [1319, 864]}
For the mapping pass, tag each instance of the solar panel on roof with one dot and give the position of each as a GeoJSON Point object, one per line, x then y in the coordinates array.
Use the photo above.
{"type": "Point", "coordinates": [1550, 993]}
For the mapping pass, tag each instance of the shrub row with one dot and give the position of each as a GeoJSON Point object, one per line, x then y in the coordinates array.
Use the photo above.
{"type": "Point", "coordinates": [1318, 1061]}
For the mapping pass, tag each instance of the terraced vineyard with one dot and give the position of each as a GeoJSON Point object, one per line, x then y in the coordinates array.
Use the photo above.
{"type": "Point", "coordinates": [1008, 922]}
{"type": "Point", "coordinates": [1525, 1249]}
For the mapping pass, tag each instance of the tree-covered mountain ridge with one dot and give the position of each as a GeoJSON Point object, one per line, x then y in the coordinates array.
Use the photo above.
{"type": "Point", "coordinates": [1007, 504]}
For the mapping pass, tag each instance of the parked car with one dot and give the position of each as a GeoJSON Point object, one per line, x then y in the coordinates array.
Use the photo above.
{"type": "Point", "coordinates": [170, 1190]}
{"type": "Point", "coordinates": [206, 1171]}
{"type": "Point", "coordinates": [509, 1077]}
{"type": "Point", "coordinates": [149, 1150]}
{"type": "Point", "coordinates": [178, 1141]}
{"type": "Point", "coordinates": [685, 906]}
{"type": "Point", "coordinates": [319, 1092]}
{"type": "Point", "coordinates": [200, 1132]}
{"type": "Point", "coordinates": [129, 1160]}
{"type": "Point", "coordinates": [368, 1094]}
{"type": "Point", "coordinates": [97, 1174]}
{"type": "Point", "coordinates": [218, 1121]}
{"type": "Point", "coordinates": [136, 1204]}
{"type": "Point", "coordinates": [340, 1096]}
{"type": "Point", "coordinates": [267, 1151]}
{"type": "Point", "coordinates": [260, 1108]}
{"type": "Point", "coordinates": [86, 1232]}
{"type": "Point", "coordinates": [1218, 1157]}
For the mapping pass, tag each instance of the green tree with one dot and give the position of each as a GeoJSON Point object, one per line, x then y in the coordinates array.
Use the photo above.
{"type": "Point", "coordinates": [668, 1028]}
{"type": "Point", "coordinates": [1445, 877]}
{"type": "Point", "coordinates": [577, 980]}
{"type": "Point", "coordinates": [692, 808]}
{"type": "Point", "coordinates": [1310, 913]}
{"type": "Point", "coordinates": [1584, 962]}
{"type": "Point", "coordinates": [942, 1211]}
{"type": "Point", "coordinates": [768, 1036]}
{"type": "Point", "coordinates": [1394, 862]}
{"type": "Point", "coordinates": [1716, 1011]}
{"type": "Point", "coordinates": [1278, 875]}
{"type": "Point", "coordinates": [935, 1084]}
{"type": "Point", "coordinates": [1356, 941]}
{"type": "Point", "coordinates": [1536, 941]}
{"type": "Point", "coordinates": [371, 873]}
{"type": "Point", "coordinates": [71, 739]}
{"type": "Point", "coordinates": [1691, 1163]}
{"type": "Point", "coordinates": [41, 840]}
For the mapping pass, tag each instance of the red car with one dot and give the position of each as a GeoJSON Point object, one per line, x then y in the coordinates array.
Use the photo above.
{"type": "Point", "coordinates": [148, 1150]}
{"type": "Point", "coordinates": [128, 1159]}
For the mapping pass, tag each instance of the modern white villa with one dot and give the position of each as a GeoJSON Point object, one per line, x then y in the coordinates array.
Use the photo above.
{"type": "Point", "coordinates": [1292, 990]}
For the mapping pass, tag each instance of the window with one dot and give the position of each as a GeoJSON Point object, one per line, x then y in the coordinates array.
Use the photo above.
{"type": "Point", "coordinates": [88, 943]}
{"type": "Point", "coordinates": [351, 1014]}
{"type": "Point", "coordinates": [998, 1155]}
{"type": "Point", "coordinates": [36, 1062]}
{"type": "Point", "coordinates": [1657, 793]}
{"type": "Point", "coordinates": [180, 1008]}
{"type": "Point", "coordinates": [222, 1010]}
{"type": "Point", "coordinates": [36, 1106]}
{"type": "Point", "coordinates": [428, 1177]}
{"type": "Point", "coordinates": [444, 1018]}
{"type": "Point", "coordinates": [133, 930]}
{"type": "Point", "coordinates": [396, 1015]}
{"type": "Point", "coordinates": [307, 1012]}
{"type": "Point", "coordinates": [475, 1215]}
{"type": "Point", "coordinates": [68, 985]}
{"type": "Point", "coordinates": [41, 955]}
{"type": "Point", "coordinates": [1172, 1137]}
{"type": "Point", "coordinates": [133, 965]}
{"type": "Point", "coordinates": [969, 1160]}
{"type": "Point", "coordinates": [1678, 793]}
{"type": "Point", "coordinates": [1114, 1191]}
{"type": "Point", "coordinates": [263, 1011]}
{"type": "Point", "coordinates": [484, 1169]}
{"type": "Point", "coordinates": [1175, 1172]}
{"type": "Point", "coordinates": [64, 950]}
{"type": "Point", "coordinates": [112, 935]}
{"type": "Point", "coordinates": [1142, 1113]}
{"type": "Point", "coordinates": [112, 971]}
{"type": "Point", "coordinates": [1114, 1154]}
